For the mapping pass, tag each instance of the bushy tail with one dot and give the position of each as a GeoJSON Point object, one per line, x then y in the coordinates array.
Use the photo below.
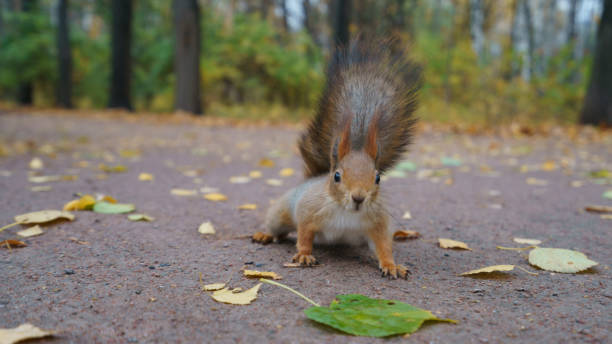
{"type": "Point", "coordinates": [365, 83]}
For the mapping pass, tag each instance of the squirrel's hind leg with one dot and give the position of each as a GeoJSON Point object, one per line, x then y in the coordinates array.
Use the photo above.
{"type": "Point", "coordinates": [278, 224]}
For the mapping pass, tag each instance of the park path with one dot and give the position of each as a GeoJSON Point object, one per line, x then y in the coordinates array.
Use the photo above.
{"type": "Point", "coordinates": [102, 278]}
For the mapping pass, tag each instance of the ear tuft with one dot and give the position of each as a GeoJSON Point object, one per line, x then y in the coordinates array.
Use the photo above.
{"type": "Point", "coordinates": [371, 145]}
{"type": "Point", "coordinates": [344, 146]}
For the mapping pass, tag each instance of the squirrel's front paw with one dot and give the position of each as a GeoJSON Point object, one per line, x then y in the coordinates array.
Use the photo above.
{"type": "Point", "coordinates": [304, 259]}
{"type": "Point", "coordinates": [262, 238]}
{"type": "Point", "coordinates": [393, 271]}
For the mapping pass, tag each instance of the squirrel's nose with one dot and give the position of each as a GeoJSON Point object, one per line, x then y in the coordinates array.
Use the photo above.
{"type": "Point", "coordinates": [358, 199]}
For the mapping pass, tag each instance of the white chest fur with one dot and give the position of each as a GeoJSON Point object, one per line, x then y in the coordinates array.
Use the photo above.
{"type": "Point", "coordinates": [344, 226]}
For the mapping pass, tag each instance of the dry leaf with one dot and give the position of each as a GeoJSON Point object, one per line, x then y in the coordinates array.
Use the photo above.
{"type": "Point", "coordinates": [213, 286]}
{"type": "Point", "coordinates": [184, 192]}
{"type": "Point", "coordinates": [10, 243]}
{"type": "Point", "coordinates": [81, 242]}
{"type": "Point", "coordinates": [32, 231]}
{"type": "Point", "coordinates": [606, 216]}
{"type": "Point", "coordinates": [140, 217]}
{"type": "Point", "coordinates": [286, 172]}
{"type": "Point", "coordinates": [527, 241]}
{"type": "Point", "coordinates": [493, 268]}
{"type": "Point", "coordinates": [215, 197]}
{"type": "Point", "coordinates": [227, 296]}
{"type": "Point", "coordinates": [84, 203]}
{"type": "Point", "coordinates": [265, 162]}
{"type": "Point", "coordinates": [405, 234]}
{"type": "Point", "coordinates": [36, 164]}
{"type": "Point", "coordinates": [560, 260]}
{"type": "Point", "coordinates": [262, 274]}
{"type": "Point", "coordinates": [449, 243]}
{"type": "Point", "coordinates": [145, 177]}
{"type": "Point", "coordinates": [41, 188]}
{"type": "Point", "coordinates": [407, 216]}
{"type": "Point", "coordinates": [598, 209]}
{"type": "Point", "coordinates": [549, 165]}
{"type": "Point", "coordinates": [274, 182]}
{"type": "Point", "coordinates": [255, 174]}
{"type": "Point", "coordinates": [208, 189]}
{"type": "Point", "coordinates": [43, 216]}
{"type": "Point", "coordinates": [206, 228]}
{"type": "Point", "coordinates": [248, 206]}
{"type": "Point", "coordinates": [22, 332]}
{"type": "Point", "coordinates": [44, 179]}
{"type": "Point", "coordinates": [536, 181]}
{"type": "Point", "coordinates": [239, 180]}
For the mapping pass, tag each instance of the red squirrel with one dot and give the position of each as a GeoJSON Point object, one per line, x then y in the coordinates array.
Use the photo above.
{"type": "Point", "coordinates": [363, 125]}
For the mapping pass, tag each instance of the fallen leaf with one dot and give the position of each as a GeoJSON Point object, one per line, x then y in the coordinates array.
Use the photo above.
{"type": "Point", "coordinates": [396, 174]}
{"type": "Point", "coordinates": [80, 242]}
{"type": "Point", "coordinates": [239, 180]}
{"type": "Point", "coordinates": [560, 260]}
{"type": "Point", "coordinates": [255, 174]}
{"type": "Point", "coordinates": [140, 217]}
{"type": "Point", "coordinates": [577, 183]}
{"type": "Point", "coordinates": [84, 203]}
{"type": "Point", "coordinates": [113, 208]}
{"type": "Point", "coordinates": [449, 243]}
{"type": "Point", "coordinates": [536, 181]}
{"type": "Point", "coordinates": [43, 216]}
{"type": "Point", "coordinates": [227, 296]}
{"type": "Point", "coordinates": [405, 234]}
{"type": "Point", "coordinates": [105, 198]}
{"type": "Point", "coordinates": [286, 172]}
{"type": "Point", "coordinates": [407, 216]}
{"type": "Point", "coordinates": [248, 206]}
{"type": "Point", "coordinates": [213, 286]}
{"type": "Point", "coordinates": [407, 166]}
{"type": "Point", "coordinates": [215, 197]}
{"type": "Point", "coordinates": [494, 268]}
{"type": "Point", "coordinates": [36, 164]}
{"type": "Point", "coordinates": [607, 194]}
{"type": "Point", "coordinates": [145, 177]}
{"type": "Point", "coordinates": [549, 165]}
{"type": "Point", "coordinates": [606, 216]}
{"type": "Point", "coordinates": [22, 332]}
{"type": "Point", "coordinates": [274, 182]}
{"type": "Point", "coordinates": [362, 316]}
{"type": "Point", "coordinates": [206, 228]}
{"type": "Point", "coordinates": [184, 192]}
{"type": "Point", "coordinates": [112, 169]}
{"type": "Point", "coordinates": [41, 188]}
{"type": "Point", "coordinates": [598, 209]}
{"type": "Point", "coordinates": [450, 161]}
{"type": "Point", "coordinates": [262, 274]}
{"type": "Point", "coordinates": [44, 179]}
{"type": "Point", "coordinates": [10, 243]}
{"type": "Point", "coordinates": [527, 241]}
{"type": "Point", "coordinates": [600, 174]}
{"type": "Point", "coordinates": [265, 162]}
{"type": "Point", "coordinates": [208, 189]}
{"type": "Point", "coordinates": [32, 231]}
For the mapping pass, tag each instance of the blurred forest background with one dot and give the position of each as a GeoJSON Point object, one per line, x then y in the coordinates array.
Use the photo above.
{"type": "Point", "coordinates": [485, 61]}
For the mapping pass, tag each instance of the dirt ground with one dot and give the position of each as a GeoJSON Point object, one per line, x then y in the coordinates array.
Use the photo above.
{"type": "Point", "coordinates": [104, 279]}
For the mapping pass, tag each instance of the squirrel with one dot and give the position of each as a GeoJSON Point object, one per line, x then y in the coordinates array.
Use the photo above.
{"type": "Point", "coordinates": [363, 125]}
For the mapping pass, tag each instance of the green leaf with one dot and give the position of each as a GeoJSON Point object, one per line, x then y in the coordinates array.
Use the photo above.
{"type": "Point", "coordinates": [112, 208]}
{"type": "Point", "coordinates": [407, 166]}
{"type": "Point", "coordinates": [140, 217]}
{"type": "Point", "coordinates": [450, 161]}
{"type": "Point", "coordinates": [362, 316]}
{"type": "Point", "coordinates": [607, 194]}
{"type": "Point", "coordinates": [560, 260]}
{"type": "Point", "coordinates": [600, 174]}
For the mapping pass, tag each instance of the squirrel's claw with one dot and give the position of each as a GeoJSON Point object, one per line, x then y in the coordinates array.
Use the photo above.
{"type": "Point", "coordinates": [394, 271]}
{"type": "Point", "coordinates": [262, 238]}
{"type": "Point", "coordinates": [304, 259]}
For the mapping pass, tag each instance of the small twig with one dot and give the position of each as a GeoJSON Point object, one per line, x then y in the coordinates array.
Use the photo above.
{"type": "Point", "coordinates": [515, 248]}
{"type": "Point", "coordinates": [527, 271]}
{"type": "Point", "coordinates": [9, 226]}
{"type": "Point", "coordinates": [290, 289]}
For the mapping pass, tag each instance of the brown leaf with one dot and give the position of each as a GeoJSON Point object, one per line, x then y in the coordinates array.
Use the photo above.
{"type": "Point", "coordinates": [262, 274]}
{"type": "Point", "coordinates": [405, 234]}
{"type": "Point", "coordinates": [10, 243]}
{"type": "Point", "coordinates": [598, 209]}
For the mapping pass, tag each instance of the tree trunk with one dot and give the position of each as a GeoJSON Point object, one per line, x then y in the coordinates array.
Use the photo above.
{"type": "Point", "coordinates": [187, 55]}
{"type": "Point", "coordinates": [64, 87]}
{"type": "Point", "coordinates": [571, 40]}
{"type": "Point", "coordinates": [121, 35]}
{"type": "Point", "coordinates": [341, 21]}
{"type": "Point", "coordinates": [25, 90]}
{"type": "Point", "coordinates": [477, 28]}
{"type": "Point", "coordinates": [528, 74]}
{"type": "Point", "coordinates": [285, 11]}
{"type": "Point", "coordinates": [598, 101]}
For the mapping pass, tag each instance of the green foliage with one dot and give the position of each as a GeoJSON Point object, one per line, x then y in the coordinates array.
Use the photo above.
{"type": "Point", "coordinates": [362, 316]}
{"type": "Point", "coordinates": [112, 208]}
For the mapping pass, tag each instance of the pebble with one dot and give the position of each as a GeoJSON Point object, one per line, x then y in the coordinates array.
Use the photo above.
{"type": "Point", "coordinates": [151, 267]}
{"type": "Point", "coordinates": [69, 272]}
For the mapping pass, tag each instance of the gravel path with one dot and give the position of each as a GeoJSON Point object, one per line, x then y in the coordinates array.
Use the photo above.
{"type": "Point", "coordinates": [102, 278]}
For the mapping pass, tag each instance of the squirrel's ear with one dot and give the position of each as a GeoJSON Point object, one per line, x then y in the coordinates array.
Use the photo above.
{"type": "Point", "coordinates": [344, 146]}
{"type": "Point", "coordinates": [371, 145]}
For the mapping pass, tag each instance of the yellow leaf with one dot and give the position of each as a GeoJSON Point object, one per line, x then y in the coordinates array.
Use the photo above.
{"type": "Point", "coordinates": [239, 180]}
{"type": "Point", "coordinates": [527, 241]}
{"type": "Point", "coordinates": [536, 181]}
{"type": "Point", "coordinates": [41, 188]}
{"type": "Point", "coordinates": [265, 162]}
{"type": "Point", "coordinates": [493, 268]}
{"type": "Point", "coordinates": [255, 174]}
{"type": "Point", "coordinates": [84, 203]}
{"type": "Point", "coordinates": [549, 165]}
{"type": "Point", "coordinates": [112, 169]}
{"type": "Point", "coordinates": [206, 228]}
{"type": "Point", "coordinates": [261, 274]}
{"type": "Point", "coordinates": [30, 232]}
{"type": "Point", "coordinates": [44, 179]}
{"type": "Point", "coordinates": [183, 192]}
{"type": "Point", "coordinates": [228, 296]}
{"type": "Point", "coordinates": [107, 198]}
{"type": "Point", "coordinates": [449, 243]}
{"type": "Point", "coordinates": [286, 172]}
{"type": "Point", "coordinates": [43, 216]}
{"type": "Point", "coordinates": [36, 164]}
{"type": "Point", "coordinates": [248, 206]}
{"type": "Point", "coordinates": [213, 286]}
{"type": "Point", "coordinates": [215, 197]}
{"type": "Point", "coordinates": [145, 177]}
{"type": "Point", "coordinates": [405, 234]}
{"type": "Point", "coordinates": [22, 332]}
{"type": "Point", "coordinates": [274, 182]}
{"type": "Point", "coordinates": [606, 216]}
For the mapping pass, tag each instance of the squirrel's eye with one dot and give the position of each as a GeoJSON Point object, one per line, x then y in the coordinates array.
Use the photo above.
{"type": "Point", "coordinates": [377, 178]}
{"type": "Point", "coordinates": [337, 177]}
